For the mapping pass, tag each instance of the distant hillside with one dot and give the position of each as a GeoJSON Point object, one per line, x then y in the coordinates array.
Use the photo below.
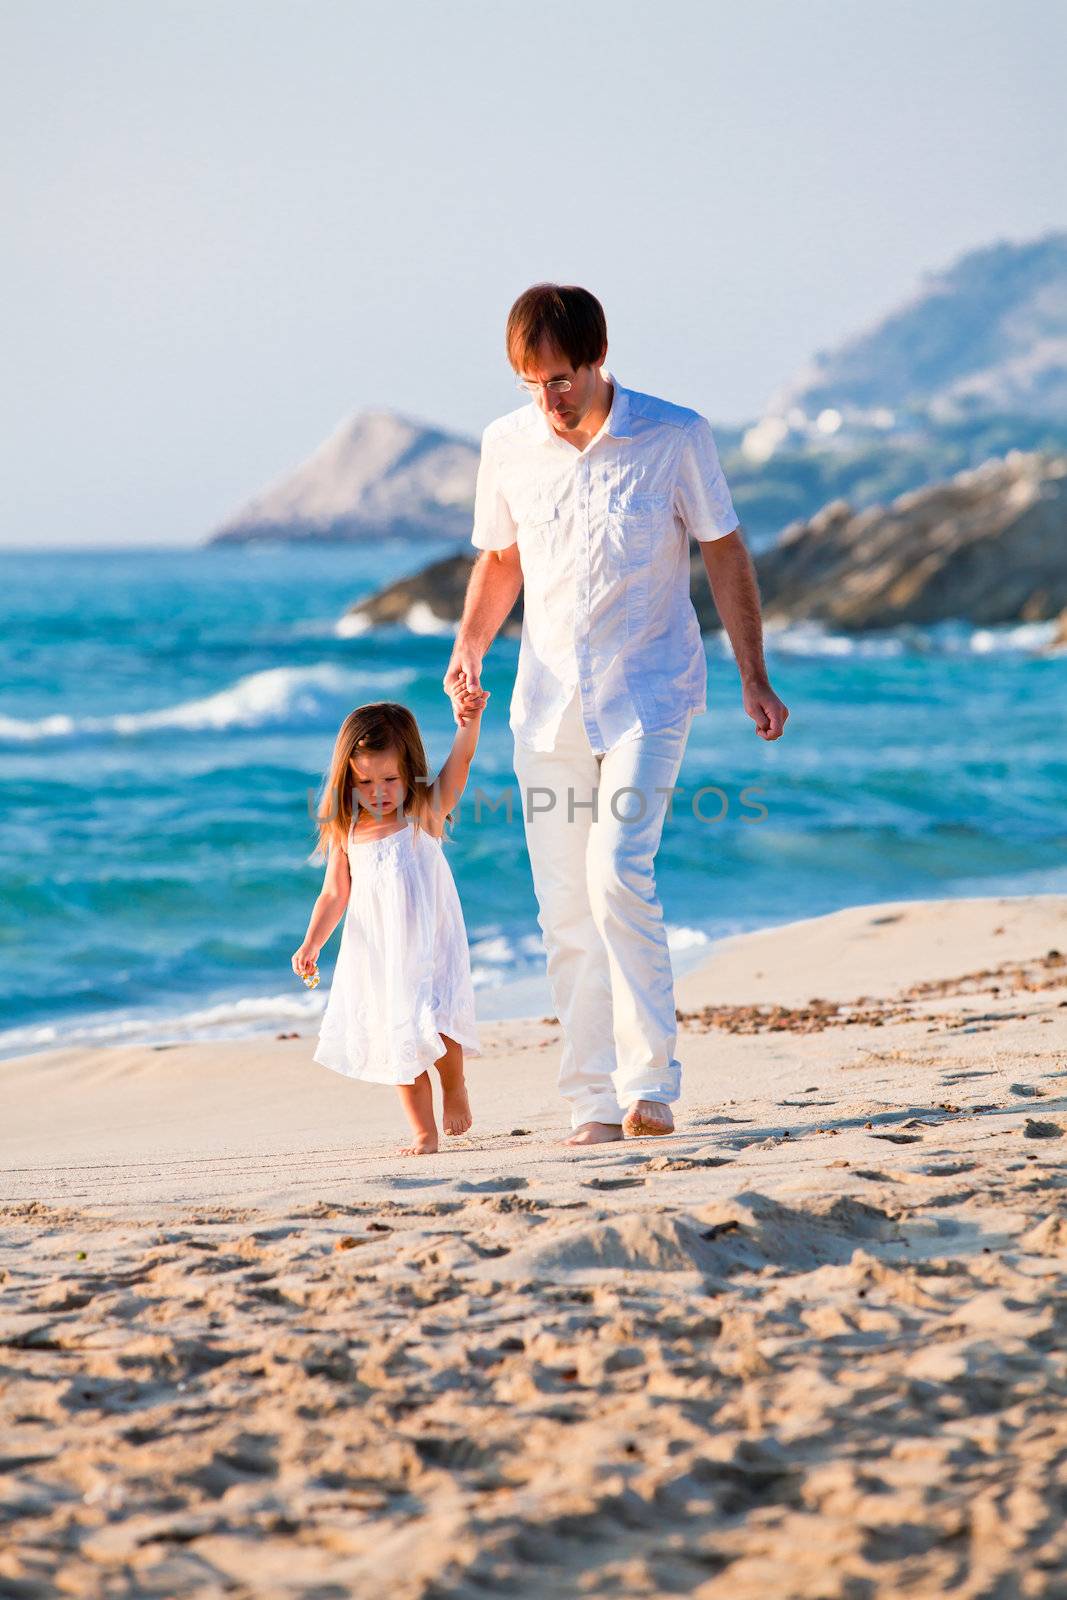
{"type": "Point", "coordinates": [987, 335]}
{"type": "Point", "coordinates": [867, 468]}
{"type": "Point", "coordinates": [378, 474]}
{"type": "Point", "coordinates": [973, 366]}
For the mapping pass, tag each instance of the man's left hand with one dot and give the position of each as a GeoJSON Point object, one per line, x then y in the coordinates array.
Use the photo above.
{"type": "Point", "coordinates": [765, 709]}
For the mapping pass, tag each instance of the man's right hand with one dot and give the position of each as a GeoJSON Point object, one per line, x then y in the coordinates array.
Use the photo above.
{"type": "Point", "coordinates": [468, 704]}
{"type": "Point", "coordinates": [464, 673]}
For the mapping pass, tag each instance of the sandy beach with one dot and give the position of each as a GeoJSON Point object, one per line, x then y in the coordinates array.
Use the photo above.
{"type": "Point", "coordinates": [811, 1345]}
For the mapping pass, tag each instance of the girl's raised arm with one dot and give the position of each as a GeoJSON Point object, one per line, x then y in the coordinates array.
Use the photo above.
{"type": "Point", "coordinates": [451, 781]}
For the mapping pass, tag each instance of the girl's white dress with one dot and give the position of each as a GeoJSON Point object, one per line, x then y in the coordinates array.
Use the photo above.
{"type": "Point", "coordinates": [403, 974]}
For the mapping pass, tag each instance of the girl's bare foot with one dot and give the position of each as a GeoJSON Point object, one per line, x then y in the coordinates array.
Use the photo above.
{"type": "Point", "coordinates": [425, 1145]}
{"type": "Point", "coordinates": [456, 1111]}
{"type": "Point", "coordinates": [456, 1108]}
{"type": "Point", "coordinates": [417, 1100]}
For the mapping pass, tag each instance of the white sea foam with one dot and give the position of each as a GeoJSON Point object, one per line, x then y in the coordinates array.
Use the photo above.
{"type": "Point", "coordinates": [497, 949]}
{"type": "Point", "coordinates": [228, 1019]}
{"type": "Point", "coordinates": [15, 731]}
{"type": "Point", "coordinates": [951, 638]}
{"type": "Point", "coordinates": [497, 960]}
{"type": "Point", "coordinates": [508, 973]}
{"type": "Point", "coordinates": [1016, 636]}
{"type": "Point", "coordinates": [261, 700]}
{"type": "Point", "coordinates": [485, 977]}
{"type": "Point", "coordinates": [421, 619]}
{"type": "Point", "coordinates": [812, 639]}
{"type": "Point", "coordinates": [796, 638]}
{"type": "Point", "coordinates": [352, 624]}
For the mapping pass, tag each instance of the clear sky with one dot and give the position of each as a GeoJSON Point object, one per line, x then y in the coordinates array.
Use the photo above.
{"type": "Point", "coordinates": [230, 223]}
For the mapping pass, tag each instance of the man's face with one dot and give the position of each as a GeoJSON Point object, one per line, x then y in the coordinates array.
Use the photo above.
{"type": "Point", "coordinates": [565, 412]}
{"type": "Point", "coordinates": [379, 787]}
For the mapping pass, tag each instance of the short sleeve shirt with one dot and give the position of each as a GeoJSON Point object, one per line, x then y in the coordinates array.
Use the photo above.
{"type": "Point", "coordinates": [603, 537]}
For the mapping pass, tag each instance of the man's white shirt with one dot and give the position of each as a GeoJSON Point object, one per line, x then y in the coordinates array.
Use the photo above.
{"type": "Point", "coordinates": [603, 537]}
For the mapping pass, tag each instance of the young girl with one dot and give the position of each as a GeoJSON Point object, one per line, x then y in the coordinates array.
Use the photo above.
{"type": "Point", "coordinates": [401, 1000]}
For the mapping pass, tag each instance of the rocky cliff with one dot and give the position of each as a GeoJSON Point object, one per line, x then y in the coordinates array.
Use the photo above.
{"type": "Point", "coordinates": [986, 546]}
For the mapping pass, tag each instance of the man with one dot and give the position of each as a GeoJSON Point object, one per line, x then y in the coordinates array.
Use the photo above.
{"type": "Point", "coordinates": [588, 497]}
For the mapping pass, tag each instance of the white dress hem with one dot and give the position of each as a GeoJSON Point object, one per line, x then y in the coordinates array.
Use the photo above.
{"type": "Point", "coordinates": [468, 1043]}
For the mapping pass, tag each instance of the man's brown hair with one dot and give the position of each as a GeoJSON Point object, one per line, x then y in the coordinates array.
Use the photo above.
{"type": "Point", "coordinates": [570, 318]}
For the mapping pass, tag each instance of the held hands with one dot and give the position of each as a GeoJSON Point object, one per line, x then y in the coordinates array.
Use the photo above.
{"type": "Point", "coordinates": [467, 703]}
{"type": "Point", "coordinates": [765, 709]}
{"type": "Point", "coordinates": [306, 964]}
{"type": "Point", "coordinates": [462, 684]}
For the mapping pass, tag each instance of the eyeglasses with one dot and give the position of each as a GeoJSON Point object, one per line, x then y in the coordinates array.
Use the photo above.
{"type": "Point", "coordinates": [553, 387]}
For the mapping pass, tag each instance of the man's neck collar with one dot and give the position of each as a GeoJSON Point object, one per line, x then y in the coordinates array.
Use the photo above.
{"type": "Point", "coordinates": [616, 425]}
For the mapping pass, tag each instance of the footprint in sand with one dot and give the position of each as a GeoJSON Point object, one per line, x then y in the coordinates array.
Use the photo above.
{"type": "Point", "coordinates": [493, 1186]}
{"type": "Point", "coordinates": [613, 1183]}
{"type": "Point", "coordinates": [685, 1163]}
{"type": "Point", "coordinates": [416, 1183]}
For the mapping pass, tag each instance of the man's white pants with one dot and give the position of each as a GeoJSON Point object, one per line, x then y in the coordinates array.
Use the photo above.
{"type": "Point", "coordinates": [609, 967]}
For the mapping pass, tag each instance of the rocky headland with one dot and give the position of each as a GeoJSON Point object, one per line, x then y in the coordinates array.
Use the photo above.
{"type": "Point", "coordinates": [986, 546]}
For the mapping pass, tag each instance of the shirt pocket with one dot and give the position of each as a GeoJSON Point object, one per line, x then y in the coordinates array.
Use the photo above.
{"type": "Point", "coordinates": [540, 527]}
{"type": "Point", "coordinates": [635, 525]}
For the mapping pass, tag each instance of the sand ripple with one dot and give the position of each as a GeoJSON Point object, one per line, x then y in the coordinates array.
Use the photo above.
{"type": "Point", "coordinates": [817, 1396]}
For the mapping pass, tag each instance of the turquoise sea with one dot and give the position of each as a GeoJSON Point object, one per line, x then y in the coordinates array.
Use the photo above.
{"type": "Point", "coordinates": [166, 718]}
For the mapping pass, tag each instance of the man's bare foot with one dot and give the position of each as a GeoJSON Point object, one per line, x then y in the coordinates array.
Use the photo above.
{"type": "Point", "coordinates": [425, 1145]}
{"type": "Point", "coordinates": [456, 1108]}
{"type": "Point", "coordinates": [595, 1133]}
{"type": "Point", "coordinates": [647, 1117]}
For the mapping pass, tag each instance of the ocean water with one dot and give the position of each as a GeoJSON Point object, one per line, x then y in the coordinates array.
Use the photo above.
{"type": "Point", "coordinates": [166, 718]}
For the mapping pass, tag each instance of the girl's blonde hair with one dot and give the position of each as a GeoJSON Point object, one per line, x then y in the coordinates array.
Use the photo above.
{"type": "Point", "coordinates": [381, 725]}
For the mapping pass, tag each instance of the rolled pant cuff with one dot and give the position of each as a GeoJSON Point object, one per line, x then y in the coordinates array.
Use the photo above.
{"type": "Point", "coordinates": [596, 1112]}
{"type": "Point", "coordinates": [663, 1094]}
